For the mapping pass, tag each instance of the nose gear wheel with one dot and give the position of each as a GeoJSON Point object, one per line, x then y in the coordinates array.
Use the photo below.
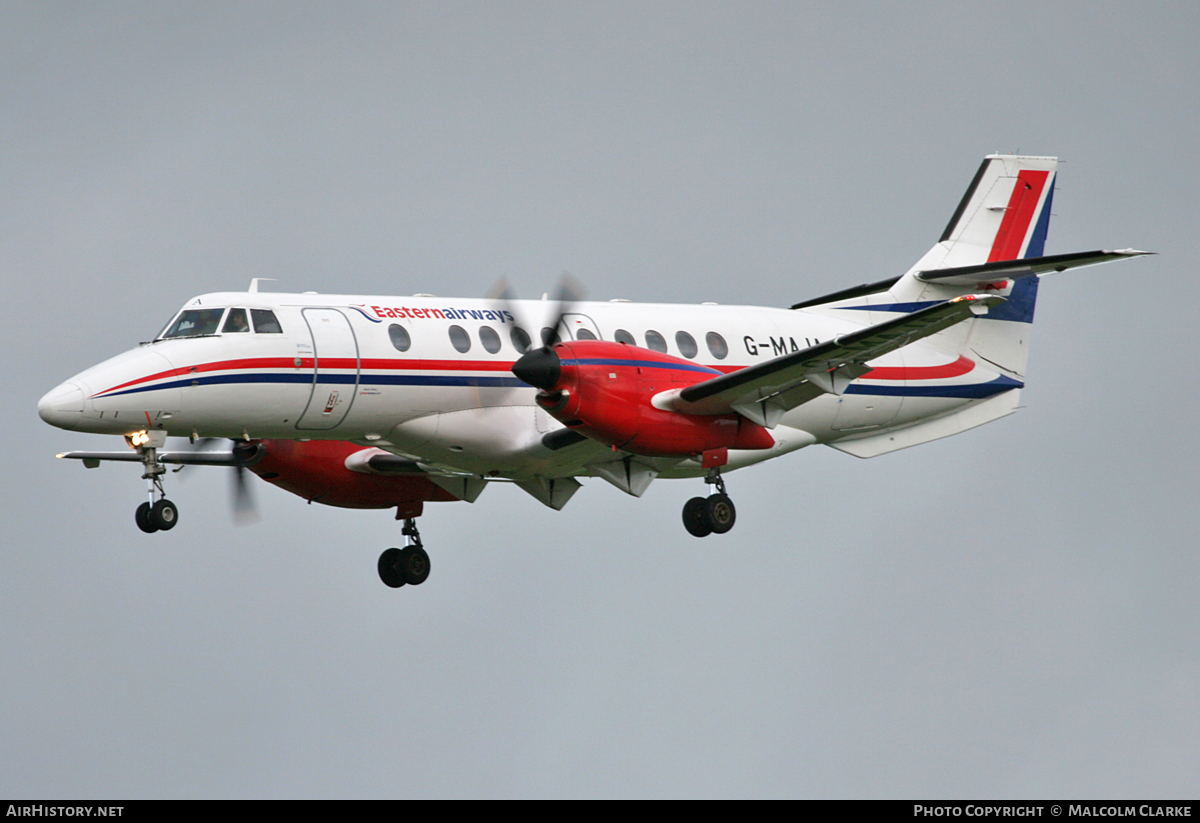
{"type": "Point", "coordinates": [154, 515]}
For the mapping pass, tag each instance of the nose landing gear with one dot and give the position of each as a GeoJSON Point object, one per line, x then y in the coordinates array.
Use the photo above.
{"type": "Point", "coordinates": [160, 515]}
{"type": "Point", "coordinates": [714, 514]}
{"type": "Point", "coordinates": [408, 565]}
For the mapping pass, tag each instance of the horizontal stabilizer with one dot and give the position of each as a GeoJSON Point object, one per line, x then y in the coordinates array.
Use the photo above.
{"type": "Point", "coordinates": [763, 392]}
{"type": "Point", "coordinates": [1020, 269]}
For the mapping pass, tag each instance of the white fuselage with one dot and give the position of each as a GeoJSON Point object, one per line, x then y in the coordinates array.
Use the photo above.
{"type": "Point", "coordinates": [335, 370]}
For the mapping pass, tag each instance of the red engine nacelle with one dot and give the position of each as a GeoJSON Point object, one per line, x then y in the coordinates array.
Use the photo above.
{"type": "Point", "coordinates": [316, 470]}
{"type": "Point", "coordinates": [604, 390]}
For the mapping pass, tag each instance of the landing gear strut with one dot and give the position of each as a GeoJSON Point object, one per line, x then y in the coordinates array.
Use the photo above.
{"type": "Point", "coordinates": [160, 515]}
{"type": "Point", "coordinates": [408, 565]}
{"type": "Point", "coordinates": [714, 514]}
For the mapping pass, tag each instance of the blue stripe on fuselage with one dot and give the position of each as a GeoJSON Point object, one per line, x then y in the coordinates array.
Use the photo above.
{"type": "Point", "coordinates": [345, 379]}
{"type": "Point", "coordinates": [903, 308]}
{"type": "Point", "coordinates": [972, 391]}
{"type": "Point", "coordinates": [645, 364]}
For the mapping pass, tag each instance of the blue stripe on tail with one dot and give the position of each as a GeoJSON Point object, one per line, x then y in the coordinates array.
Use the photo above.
{"type": "Point", "coordinates": [1024, 293]}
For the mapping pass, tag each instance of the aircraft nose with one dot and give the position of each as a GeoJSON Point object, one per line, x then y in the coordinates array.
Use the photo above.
{"type": "Point", "coordinates": [62, 406]}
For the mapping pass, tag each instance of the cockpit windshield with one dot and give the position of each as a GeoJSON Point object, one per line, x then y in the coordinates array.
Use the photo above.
{"type": "Point", "coordinates": [205, 322]}
{"type": "Point", "coordinates": [195, 323]}
{"type": "Point", "coordinates": [236, 322]}
{"type": "Point", "coordinates": [265, 322]}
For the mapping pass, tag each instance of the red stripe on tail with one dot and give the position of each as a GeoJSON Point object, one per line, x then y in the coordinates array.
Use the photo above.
{"type": "Point", "coordinates": [1014, 228]}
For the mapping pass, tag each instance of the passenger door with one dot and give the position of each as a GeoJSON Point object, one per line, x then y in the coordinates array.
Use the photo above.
{"type": "Point", "coordinates": [335, 369]}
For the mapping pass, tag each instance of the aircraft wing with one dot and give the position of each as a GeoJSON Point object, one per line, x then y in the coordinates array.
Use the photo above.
{"type": "Point", "coordinates": [1020, 269]}
{"type": "Point", "coordinates": [765, 391]}
{"type": "Point", "coordinates": [186, 458]}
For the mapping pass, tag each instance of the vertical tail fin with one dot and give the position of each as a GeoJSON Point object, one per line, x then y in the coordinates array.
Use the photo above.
{"type": "Point", "coordinates": [1004, 215]}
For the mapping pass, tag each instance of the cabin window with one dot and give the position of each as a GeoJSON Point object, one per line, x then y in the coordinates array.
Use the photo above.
{"type": "Point", "coordinates": [550, 337]}
{"type": "Point", "coordinates": [489, 339]}
{"type": "Point", "coordinates": [686, 344]}
{"type": "Point", "coordinates": [520, 339]}
{"type": "Point", "coordinates": [584, 334]}
{"type": "Point", "coordinates": [716, 345]}
{"type": "Point", "coordinates": [196, 323]}
{"type": "Point", "coordinates": [655, 341]}
{"type": "Point", "coordinates": [265, 322]}
{"type": "Point", "coordinates": [460, 339]}
{"type": "Point", "coordinates": [399, 337]}
{"type": "Point", "coordinates": [622, 336]}
{"type": "Point", "coordinates": [236, 322]}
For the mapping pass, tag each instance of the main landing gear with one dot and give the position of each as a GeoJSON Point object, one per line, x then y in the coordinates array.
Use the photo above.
{"type": "Point", "coordinates": [714, 514]}
{"type": "Point", "coordinates": [408, 565]}
{"type": "Point", "coordinates": [160, 515]}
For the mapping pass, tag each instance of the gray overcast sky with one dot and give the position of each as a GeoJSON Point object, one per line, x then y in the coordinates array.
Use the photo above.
{"type": "Point", "coordinates": [1008, 613]}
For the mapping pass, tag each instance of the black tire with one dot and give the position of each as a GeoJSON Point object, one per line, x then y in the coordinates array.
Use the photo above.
{"type": "Point", "coordinates": [142, 516]}
{"type": "Point", "coordinates": [164, 515]}
{"type": "Point", "coordinates": [695, 518]}
{"type": "Point", "coordinates": [389, 570]}
{"type": "Point", "coordinates": [413, 564]}
{"type": "Point", "coordinates": [719, 513]}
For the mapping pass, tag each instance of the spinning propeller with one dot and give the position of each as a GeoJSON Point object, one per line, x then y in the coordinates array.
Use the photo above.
{"type": "Point", "coordinates": [540, 367]}
{"type": "Point", "coordinates": [241, 456]}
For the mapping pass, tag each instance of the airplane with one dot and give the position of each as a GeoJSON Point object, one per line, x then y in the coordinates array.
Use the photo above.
{"type": "Point", "coordinates": [367, 401]}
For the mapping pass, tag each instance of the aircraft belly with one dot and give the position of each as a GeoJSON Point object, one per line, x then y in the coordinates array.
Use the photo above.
{"type": "Point", "coordinates": [377, 410]}
{"type": "Point", "coordinates": [871, 404]}
{"type": "Point", "coordinates": [815, 416]}
{"type": "Point", "coordinates": [480, 440]}
{"type": "Point", "coordinates": [924, 408]}
{"type": "Point", "coordinates": [865, 411]}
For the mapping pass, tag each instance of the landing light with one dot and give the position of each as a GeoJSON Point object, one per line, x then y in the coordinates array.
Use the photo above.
{"type": "Point", "coordinates": [139, 438]}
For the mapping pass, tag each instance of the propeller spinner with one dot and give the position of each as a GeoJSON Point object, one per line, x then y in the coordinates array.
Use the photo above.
{"type": "Point", "coordinates": [541, 367]}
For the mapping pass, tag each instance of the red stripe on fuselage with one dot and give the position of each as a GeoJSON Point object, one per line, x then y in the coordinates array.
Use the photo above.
{"type": "Point", "coordinates": [325, 363]}
{"type": "Point", "coordinates": [255, 363]}
{"type": "Point", "coordinates": [959, 367]}
{"type": "Point", "coordinates": [429, 365]}
{"type": "Point", "coordinates": [1026, 194]}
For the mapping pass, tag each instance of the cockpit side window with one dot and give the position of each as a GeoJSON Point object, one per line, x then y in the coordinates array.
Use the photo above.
{"type": "Point", "coordinates": [236, 322]}
{"type": "Point", "coordinates": [195, 323]}
{"type": "Point", "coordinates": [265, 322]}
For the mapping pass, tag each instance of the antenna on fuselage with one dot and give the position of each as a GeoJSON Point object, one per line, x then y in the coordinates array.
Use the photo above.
{"type": "Point", "coordinates": [254, 284]}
